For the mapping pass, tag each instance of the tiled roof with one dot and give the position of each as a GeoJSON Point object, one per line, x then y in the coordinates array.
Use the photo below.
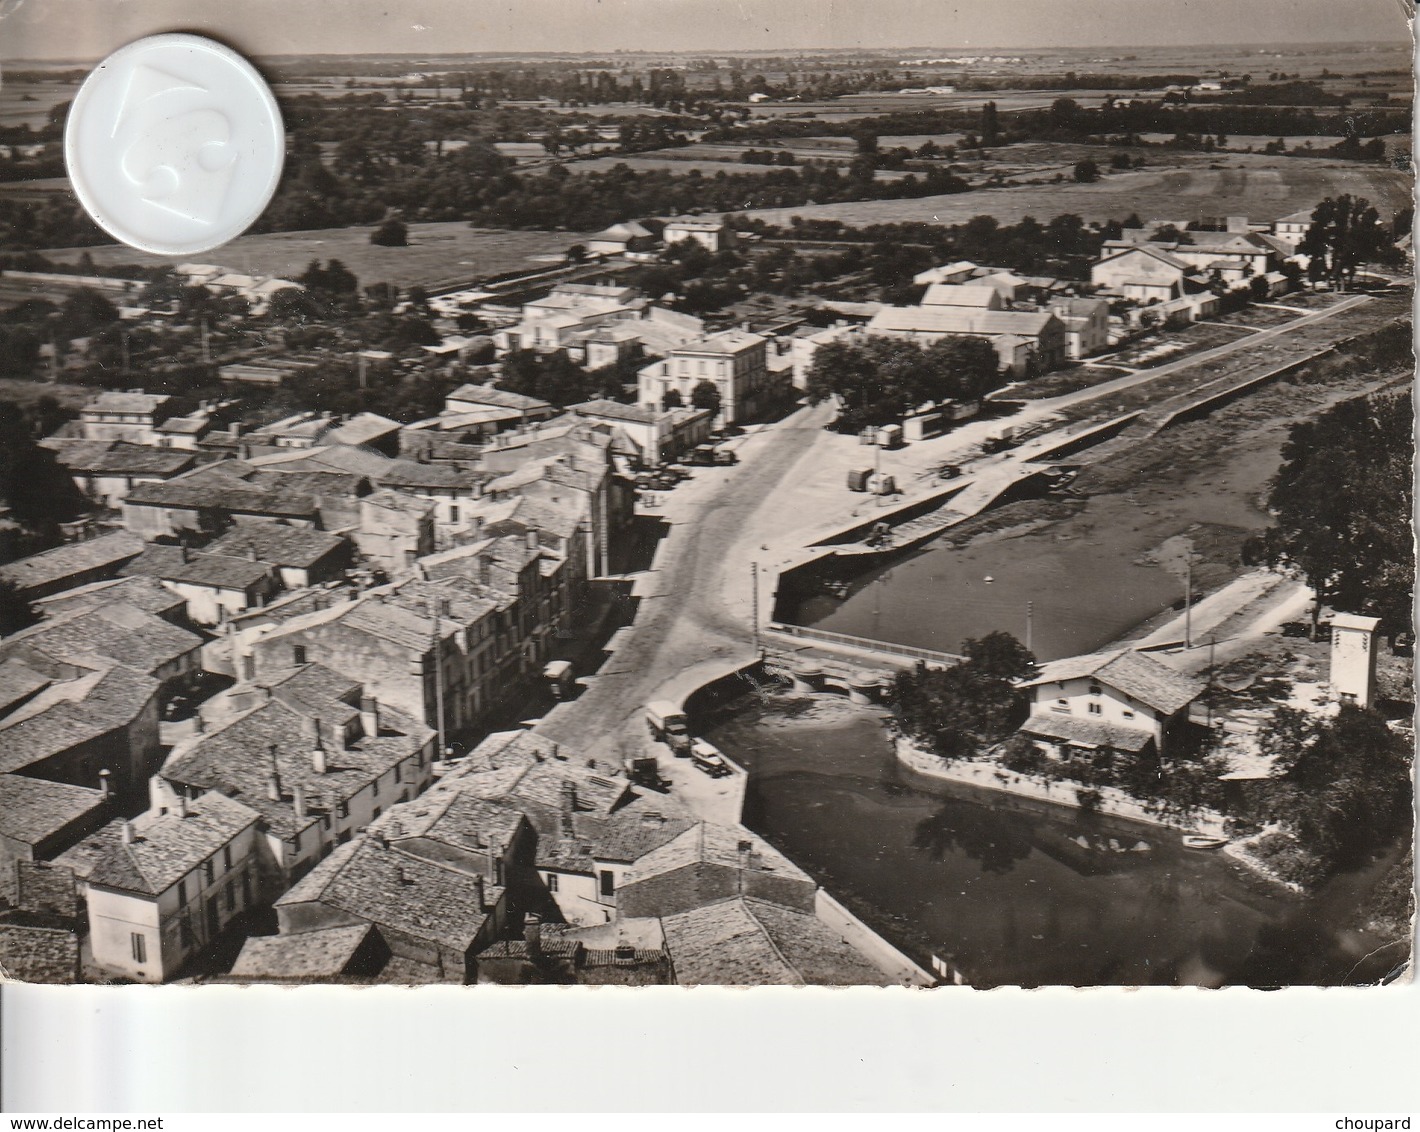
{"type": "Point", "coordinates": [961, 320]}
{"type": "Point", "coordinates": [455, 817]}
{"type": "Point", "coordinates": [329, 458]}
{"type": "Point", "coordinates": [117, 458]}
{"type": "Point", "coordinates": [147, 594]}
{"type": "Point", "coordinates": [391, 500]}
{"type": "Point", "coordinates": [444, 477]}
{"type": "Point", "coordinates": [716, 844]}
{"type": "Point", "coordinates": [363, 428]}
{"type": "Point", "coordinates": [1135, 674]}
{"type": "Point", "coordinates": [499, 398]}
{"type": "Point", "coordinates": [32, 809]}
{"type": "Point", "coordinates": [62, 562]}
{"type": "Point", "coordinates": [615, 410]}
{"type": "Point", "coordinates": [743, 942]}
{"type": "Point", "coordinates": [316, 955]}
{"type": "Point", "coordinates": [277, 543]}
{"type": "Point", "coordinates": [1089, 732]}
{"type": "Point", "coordinates": [390, 888]}
{"type": "Point", "coordinates": [1157, 253]}
{"type": "Point", "coordinates": [195, 568]}
{"type": "Point", "coordinates": [189, 425]}
{"type": "Point", "coordinates": [68, 714]}
{"type": "Point", "coordinates": [237, 758]}
{"type": "Point", "coordinates": [726, 342]}
{"type": "Point", "coordinates": [212, 488]}
{"type": "Point", "coordinates": [32, 954]}
{"type": "Point", "coordinates": [18, 681]}
{"type": "Point", "coordinates": [166, 847]}
{"type": "Point", "coordinates": [126, 403]}
{"type": "Point", "coordinates": [958, 295]}
{"type": "Point", "coordinates": [120, 632]}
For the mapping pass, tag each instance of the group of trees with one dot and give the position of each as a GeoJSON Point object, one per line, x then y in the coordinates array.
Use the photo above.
{"type": "Point", "coordinates": [1342, 788]}
{"type": "Point", "coordinates": [957, 712]}
{"type": "Point", "coordinates": [1344, 234]}
{"type": "Point", "coordinates": [1342, 501]}
{"type": "Point", "coordinates": [882, 379]}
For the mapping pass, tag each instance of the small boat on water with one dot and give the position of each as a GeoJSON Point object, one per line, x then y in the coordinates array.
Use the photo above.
{"type": "Point", "coordinates": [1203, 841]}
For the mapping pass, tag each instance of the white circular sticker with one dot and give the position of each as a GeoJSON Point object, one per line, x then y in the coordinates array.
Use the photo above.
{"type": "Point", "coordinates": [174, 144]}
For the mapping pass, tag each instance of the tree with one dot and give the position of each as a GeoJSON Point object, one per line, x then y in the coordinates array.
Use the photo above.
{"type": "Point", "coordinates": [672, 400]}
{"type": "Point", "coordinates": [1342, 505]}
{"type": "Point", "coordinates": [957, 711]}
{"type": "Point", "coordinates": [706, 395]}
{"type": "Point", "coordinates": [1086, 172]}
{"type": "Point", "coordinates": [393, 233]}
{"type": "Point", "coordinates": [1345, 233]}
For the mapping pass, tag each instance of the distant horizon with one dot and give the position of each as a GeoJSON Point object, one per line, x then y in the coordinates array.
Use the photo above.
{"type": "Point", "coordinates": [80, 31]}
{"type": "Point", "coordinates": [890, 49]}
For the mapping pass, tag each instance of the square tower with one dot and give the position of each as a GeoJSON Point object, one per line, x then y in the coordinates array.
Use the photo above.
{"type": "Point", "coordinates": [1353, 658]}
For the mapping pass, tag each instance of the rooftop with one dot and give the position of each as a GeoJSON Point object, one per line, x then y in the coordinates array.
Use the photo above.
{"type": "Point", "coordinates": [120, 632]}
{"type": "Point", "coordinates": [961, 320]}
{"type": "Point", "coordinates": [128, 403]}
{"type": "Point", "coordinates": [726, 342]}
{"type": "Point", "coordinates": [313, 956]}
{"type": "Point", "coordinates": [960, 295]}
{"type": "Point", "coordinates": [118, 458]}
{"type": "Point", "coordinates": [1135, 674]}
{"type": "Point", "coordinates": [34, 954]}
{"type": "Point", "coordinates": [746, 942]}
{"type": "Point", "coordinates": [32, 809]}
{"type": "Point", "coordinates": [197, 568]}
{"type": "Point", "coordinates": [277, 543]}
{"type": "Point", "coordinates": [363, 428]}
{"type": "Point", "coordinates": [1087, 732]}
{"type": "Point", "coordinates": [50, 566]}
{"type": "Point", "coordinates": [165, 847]}
{"type": "Point", "coordinates": [499, 398]}
{"type": "Point", "coordinates": [388, 887]}
{"type": "Point", "coordinates": [615, 410]}
{"type": "Point", "coordinates": [68, 714]}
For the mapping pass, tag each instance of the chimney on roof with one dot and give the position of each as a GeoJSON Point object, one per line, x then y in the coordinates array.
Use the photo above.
{"type": "Point", "coordinates": [532, 935]}
{"type": "Point", "coordinates": [235, 428]}
{"type": "Point", "coordinates": [446, 607]}
{"type": "Point", "coordinates": [129, 835]}
{"type": "Point", "coordinates": [273, 782]}
{"type": "Point", "coordinates": [181, 804]}
{"type": "Point", "coordinates": [379, 840]}
{"type": "Point", "coordinates": [531, 540]}
{"type": "Point", "coordinates": [298, 800]}
{"type": "Point", "coordinates": [653, 819]}
{"type": "Point", "coordinates": [369, 715]}
{"type": "Point", "coordinates": [318, 760]}
{"type": "Point", "coordinates": [106, 784]}
{"type": "Point", "coordinates": [480, 894]}
{"type": "Point", "coordinates": [199, 725]}
{"type": "Point", "coordinates": [252, 555]}
{"type": "Point", "coordinates": [183, 554]}
{"type": "Point", "coordinates": [566, 819]}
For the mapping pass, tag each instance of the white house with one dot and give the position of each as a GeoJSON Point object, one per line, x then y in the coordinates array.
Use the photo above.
{"type": "Point", "coordinates": [1086, 325]}
{"type": "Point", "coordinates": [712, 235]}
{"type": "Point", "coordinates": [1114, 701]}
{"type": "Point", "coordinates": [166, 884]}
{"type": "Point", "coordinates": [735, 362]}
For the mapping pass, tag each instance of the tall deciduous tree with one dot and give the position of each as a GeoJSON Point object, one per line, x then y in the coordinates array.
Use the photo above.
{"type": "Point", "coordinates": [954, 712]}
{"type": "Point", "coordinates": [1344, 234]}
{"type": "Point", "coordinates": [1342, 501]}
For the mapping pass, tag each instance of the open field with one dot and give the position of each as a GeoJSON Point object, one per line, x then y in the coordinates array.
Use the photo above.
{"type": "Point", "coordinates": [1248, 185]}
{"type": "Point", "coordinates": [439, 253]}
{"type": "Point", "coordinates": [29, 103]}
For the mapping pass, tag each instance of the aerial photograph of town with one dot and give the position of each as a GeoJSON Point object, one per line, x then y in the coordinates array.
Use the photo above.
{"type": "Point", "coordinates": [894, 509]}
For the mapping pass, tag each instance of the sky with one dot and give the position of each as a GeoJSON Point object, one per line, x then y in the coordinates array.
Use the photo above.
{"type": "Point", "coordinates": [89, 29]}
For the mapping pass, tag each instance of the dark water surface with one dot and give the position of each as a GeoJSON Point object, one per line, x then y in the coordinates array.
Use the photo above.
{"type": "Point", "coordinates": [1003, 887]}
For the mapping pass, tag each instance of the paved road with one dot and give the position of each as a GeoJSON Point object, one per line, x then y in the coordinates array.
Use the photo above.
{"type": "Point", "coordinates": [683, 621]}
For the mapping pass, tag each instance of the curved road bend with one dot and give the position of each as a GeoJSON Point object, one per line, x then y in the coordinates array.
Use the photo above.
{"type": "Point", "coordinates": [694, 601]}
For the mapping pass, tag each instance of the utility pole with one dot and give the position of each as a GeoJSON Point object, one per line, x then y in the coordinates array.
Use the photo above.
{"type": "Point", "coordinates": [1188, 600]}
{"type": "Point", "coordinates": [438, 682]}
{"type": "Point", "coordinates": [754, 603]}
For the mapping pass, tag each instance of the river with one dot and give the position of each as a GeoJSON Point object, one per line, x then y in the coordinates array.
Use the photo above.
{"type": "Point", "coordinates": [1015, 892]}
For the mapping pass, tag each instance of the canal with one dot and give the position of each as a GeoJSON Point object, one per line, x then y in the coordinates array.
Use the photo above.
{"type": "Point", "coordinates": [1016, 892]}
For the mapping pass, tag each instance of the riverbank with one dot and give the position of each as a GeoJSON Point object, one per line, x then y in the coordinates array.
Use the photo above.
{"type": "Point", "coordinates": [991, 776]}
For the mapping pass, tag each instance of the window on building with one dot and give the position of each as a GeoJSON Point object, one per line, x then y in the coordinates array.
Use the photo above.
{"type": "Point", "coordinates": [551, 882]}
{"type": "Point", "coordinates": [344, 836]}
{"type": "Point", "coordinates": [231, 896]}
{"type": "Point", "coordinates": [396, 774]}
{"type": "Point", "coordinates": [325, 822]}
{"type": "Point", "coordinates": [209, 873]}
{"type": "Point", "coordinates": [608, 883]}
{"type": "Point", "coordinates": [374, 813]}
{"type": "Point", "coordinates": [453, 513]}
{"type": "Point", "coordinates": [1096, 709]}
{"type": "Point", "coordinates": [298, 654]}
{"type": "Point", "coordinates": [497, 870]}
{"type": "Point", "coordinates": [182, 891]}
{"type": "Point", "coordinates": [1127, 714]}
{"type": "Point", "coordinates": [342, 809]}
{"type": "Point", "coordinates": [1096, 690]}
{"type": "Point", "coordinates": [227, 858]}
{"type": "Point", "coordinates": [139, 943]}
{"type": "Point", "coordinates": [185, 932]}
{"type": "Point", "coordinates": [375, 788]}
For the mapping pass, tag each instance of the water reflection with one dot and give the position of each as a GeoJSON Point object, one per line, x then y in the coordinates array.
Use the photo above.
{"type": "Point", "coordinates": [993, 840]}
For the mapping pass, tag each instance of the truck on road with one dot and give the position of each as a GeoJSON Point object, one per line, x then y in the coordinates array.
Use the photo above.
{"type": "Point", "coordinates": [668, 724]}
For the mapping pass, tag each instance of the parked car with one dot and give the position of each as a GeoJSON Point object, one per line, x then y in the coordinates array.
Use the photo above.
{"type": "Point", "coordinates": [707, 758]}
